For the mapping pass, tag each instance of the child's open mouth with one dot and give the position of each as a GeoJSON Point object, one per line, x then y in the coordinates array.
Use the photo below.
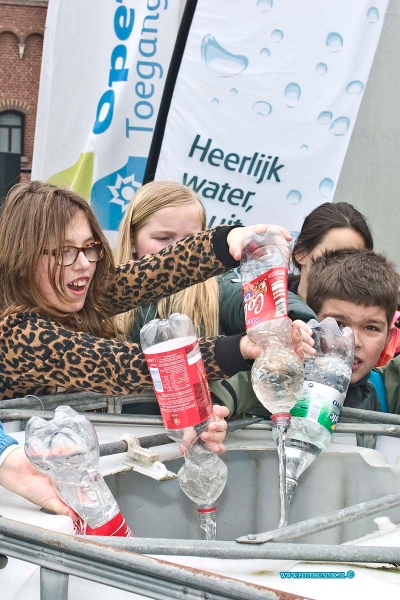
{"type": "Point", "coordinates": [79, 285]}
{"type": "Point", "coordinates": [357, 362]}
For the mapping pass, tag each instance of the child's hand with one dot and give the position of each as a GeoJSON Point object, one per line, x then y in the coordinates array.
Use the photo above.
{"type": "Point", "coordinates": [18, 475]}
{"type": "Point", "coordinates": [215, 434]}
{"type": "Point", "coordinates": [236, 236]}
{"type": "Point", "coordinates": [216, 431]}
{"type": "Point", "coordinates": [248, 349]}
{"type": "Point", "coordinates": [302, 339]}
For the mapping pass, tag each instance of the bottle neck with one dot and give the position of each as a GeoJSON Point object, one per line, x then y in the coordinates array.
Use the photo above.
{"type": "Point", "coordinates": [281, 420]}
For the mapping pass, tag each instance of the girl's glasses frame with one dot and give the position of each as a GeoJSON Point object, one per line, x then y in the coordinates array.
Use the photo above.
{"type": "Point", "coordinates": [94, 251]}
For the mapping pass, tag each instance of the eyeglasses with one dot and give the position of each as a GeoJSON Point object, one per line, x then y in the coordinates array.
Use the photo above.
{"type": "Point", "coordinates": [93, 252]}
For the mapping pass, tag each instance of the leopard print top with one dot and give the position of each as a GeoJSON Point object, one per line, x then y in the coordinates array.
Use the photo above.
{"type": "Point", "coordinates": [37, 354]}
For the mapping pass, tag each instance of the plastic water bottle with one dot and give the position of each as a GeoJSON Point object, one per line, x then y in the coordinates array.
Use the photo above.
{"type": "Point", "coordinates": [277, 374]}
{"type": "Point", "coordinates": [173, 356]}
{"type": "Point", "coordinates": [315, 415]}
{"type": "Point", "coordinates": [67, 450]}
{"type": "Point", "coordinates": [202, 478]}
{"type": "Point", "coordinates": [176, 366]}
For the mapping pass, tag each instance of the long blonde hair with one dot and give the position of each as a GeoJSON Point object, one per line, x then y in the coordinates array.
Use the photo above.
{"type": "Point", "coordinates": [200, 302]}
{"type": "Point", "coordinates": [34, 215]}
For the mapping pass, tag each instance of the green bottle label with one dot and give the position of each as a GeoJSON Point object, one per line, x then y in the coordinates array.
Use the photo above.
{"type": "Point", "coordinates": [319, 403]}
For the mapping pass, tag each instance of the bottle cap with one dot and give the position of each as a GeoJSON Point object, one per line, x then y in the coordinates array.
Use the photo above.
{"type": "Point", "coordinates": [209, 509]}
{"type": "Point", "coordinates": [284, 415]}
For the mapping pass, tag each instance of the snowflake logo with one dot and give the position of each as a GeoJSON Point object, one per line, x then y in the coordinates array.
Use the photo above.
{"type": "Point", "coordinates": [124, 190]}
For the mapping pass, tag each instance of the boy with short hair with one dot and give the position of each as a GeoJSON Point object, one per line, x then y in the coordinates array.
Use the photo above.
{"type": "Point", "coordinates": [359, 288]}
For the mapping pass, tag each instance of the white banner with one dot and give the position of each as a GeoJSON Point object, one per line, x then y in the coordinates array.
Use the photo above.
{"type": "Point", "coordinates": [265, 102]}
{"type": "Point", "coordinates": [103, 73]}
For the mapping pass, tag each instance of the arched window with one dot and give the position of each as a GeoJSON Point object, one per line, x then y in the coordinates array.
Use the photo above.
{"type": "Point", "coordinates": [11, 131]}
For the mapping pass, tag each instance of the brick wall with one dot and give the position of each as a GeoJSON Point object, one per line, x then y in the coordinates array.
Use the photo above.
{"type": "Point", "coordinates": [21, 22]}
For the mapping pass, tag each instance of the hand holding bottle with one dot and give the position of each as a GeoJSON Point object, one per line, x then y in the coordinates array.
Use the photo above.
{"type": "Point", "coordinates": [174, 360]}
{"type": "Point", "coordinates": [67, 450]}
{"type": "Point", "coordinates": [237, 235]}
{"type": "Point", "coordinates": [19, 476]}
{"type": "Point", "coordinates": [215, 434]}
{"type": "Point", "coordinates": [301, 339]}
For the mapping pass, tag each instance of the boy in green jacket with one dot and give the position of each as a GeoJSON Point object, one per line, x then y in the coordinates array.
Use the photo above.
{"type": "Point", "coordinates": [359, 289]}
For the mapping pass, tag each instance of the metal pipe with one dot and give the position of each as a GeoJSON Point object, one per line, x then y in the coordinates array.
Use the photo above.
{"type": "Point", "coordinates": [77, 398]}
{"type": "Point", "coordinates": [232, 550]}
{"type": "Point", "coordinates": [3, 561]}
{"type": "Point", "coordinates": [112, 419]}
{"type": "Point", "coordinates": [149, 441]}
{"type": "Point", "coordinates": [367, 428]}
{"type": "Point", "coordinates": [53, 585]}
{"type": "Point", "coordinates": [323, 522]}
{"type": "Point", "coordinates": [369, 416]}
{"type": "Point", "coordinates": [257, 423]}
{"type": "Point", "coordinates": [154, 578]}
{"type": "Point", "coordinates": [55, 400]}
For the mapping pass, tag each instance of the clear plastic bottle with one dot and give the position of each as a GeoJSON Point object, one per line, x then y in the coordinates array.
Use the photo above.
{"type": "Point", "coordinates": [315, 415]}
{"type": "Point", "coordinates": [277, 374]}
{"type": "Point", "coordinates": [202, 478]}
{"type": "Point", "coordinates": [173, 356]}
{"type": "Point", "coordinates": [67, 450]}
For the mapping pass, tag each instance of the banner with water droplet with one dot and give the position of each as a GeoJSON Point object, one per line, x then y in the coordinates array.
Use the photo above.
{"type": "Point", "coordinates": [264, 105]}
{"type": "Point", "coordinates": [103, 73]}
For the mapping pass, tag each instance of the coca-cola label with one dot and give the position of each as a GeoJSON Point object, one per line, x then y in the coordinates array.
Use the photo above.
{"type": "Point", "coordinates": [180, 385]}
{"type": "Point", "coordinates": [116, 526]}
{"type": "Point", "coordinates": [266, 297]}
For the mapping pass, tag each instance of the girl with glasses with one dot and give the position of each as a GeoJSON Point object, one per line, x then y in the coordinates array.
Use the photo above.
{"type": "Point", "coordinates": [60, 289]}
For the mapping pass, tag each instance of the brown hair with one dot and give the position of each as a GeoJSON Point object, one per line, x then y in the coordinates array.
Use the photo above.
{"type": "Point", "coordinates": [34, 215]}
{"type": "Point", "coordinates": [199, 302]}
{"type": "Point", "coordinates": [322, 219]}
{"type": "Point", "coordinates": [354, 275]}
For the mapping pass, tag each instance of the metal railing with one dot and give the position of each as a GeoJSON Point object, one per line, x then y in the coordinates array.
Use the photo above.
{"type": "Point", "coordinates": [60, 556]}
{"type": "Point", "coordinates": [95, 558]}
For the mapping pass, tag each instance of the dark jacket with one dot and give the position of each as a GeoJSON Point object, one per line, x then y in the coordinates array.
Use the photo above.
{"type": "Point", "coordinates": [237, 394]}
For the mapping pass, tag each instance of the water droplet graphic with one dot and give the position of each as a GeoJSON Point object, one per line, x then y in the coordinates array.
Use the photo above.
{"type": "Point", "coordinates": [321, 68]}
{"type": "Point", "coordinates": [372, 15]}
{"type": "Point", "coordinates": [339, 126]}
{"type": "Point", "coordinates": [265, 5]}
{"type": "Point", "coordinates": [226, 63]}
{"type": "Point", "coordinates": [294, 197]}
{"type": "Point", "coordinates": [292, 94]}
{"type": "Point", "coordinates": [265, 52]}
{"type": "Point", "coordinates": [334, 42]}
{"type": "Point", "coordinates": [277, 35]}
{"type": "Point", "coordinates": [324, 117]}
{"type": "Point", "coordinates": [304, 147]}
{"type": "Point", "coordinates": [233, 92]}
{"type": "Point", "coordinates": [262, 108]}
{"type": "Point", "coordinates": [355, 87]}
{"type": "Point", "coordinates": [215, 101]}
{"type": "Point", "coordinates": [326, 187]}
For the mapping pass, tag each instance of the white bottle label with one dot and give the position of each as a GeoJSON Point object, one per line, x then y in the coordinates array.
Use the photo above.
{"type": "Point", "coordinates": [319, 403]}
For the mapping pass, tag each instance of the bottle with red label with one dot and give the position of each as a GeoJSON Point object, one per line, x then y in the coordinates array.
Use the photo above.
{"type": "Point", "coordinates": [173, 356]}
{"type": "Point", "coordinates": [67, 450]}
{"type": "Point", "coordinates": [176, 366]}
{"type": "Point", "coordinates": [277, 374]}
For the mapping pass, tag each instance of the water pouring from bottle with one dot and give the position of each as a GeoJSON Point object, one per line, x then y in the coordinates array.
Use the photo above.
{"type": "Point", "coordinates": [277, 373]}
